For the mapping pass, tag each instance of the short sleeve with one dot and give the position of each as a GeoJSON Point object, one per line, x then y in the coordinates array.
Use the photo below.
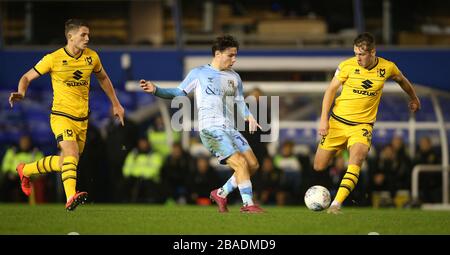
{"type": "Point", "coordinates": [341, 72]}
{"type": "Point", "coordinates": [190, 82]}
{"type": "Point", "coordinates": [394, 70]}
{"type": "Point", "coordinates": [97, 64]}
{"type": "Point", "coordinates": [240, 89]}
{"type": "Point", "coordinates": [44, 65]}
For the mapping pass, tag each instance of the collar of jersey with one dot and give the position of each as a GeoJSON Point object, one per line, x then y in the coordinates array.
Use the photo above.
{"type": "Point", "coordinates": [72, 56]}
{"type": "Point", "coordinates": [376, 63]}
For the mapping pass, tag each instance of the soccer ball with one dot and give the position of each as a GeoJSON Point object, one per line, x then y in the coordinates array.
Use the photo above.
{"type": "Point", "coordinates": [317, 198]}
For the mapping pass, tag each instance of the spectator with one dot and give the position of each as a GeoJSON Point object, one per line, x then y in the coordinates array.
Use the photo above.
{"type": "Point", "coordinates": [120, 140]}
{"type": "Point", "coordinates": [202, 180]}
{"type": "Point", "coordinates": [24, 152]}
{"type": "Point", "coordinates": [291, 173]}
{"type": "Point", "coordinates": [158, 136]}
{"type": "Point", "coordinates": [174, 174]}
{"type": "Point", "coordinates": [430, 184]}
{"type": "Point", "coordinates": [402, 164]}
{"type": "Point", "coordinates": [142, 173]}
{"type": "Point", "coordinates": [267, 181]}
{"type": "Point", "coordinates": [254, 139]}
{"type": "Point", "coordinates": [383, 178]}
{"type": "Point", "coordinates": [94, 175]}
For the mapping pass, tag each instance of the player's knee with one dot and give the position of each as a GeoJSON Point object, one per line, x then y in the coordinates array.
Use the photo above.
{"type": "Point", "coordinates": [253, 166]}
{"type": "Point", "coordinates": [319, 166]}
{"type": "Point", "coordinates": [239, 162]}
{"type": "Point", "coordinates": [358, 158]}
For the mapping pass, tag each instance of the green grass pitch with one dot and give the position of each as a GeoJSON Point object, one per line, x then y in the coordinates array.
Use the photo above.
{"type": "Point", "coordinates": [99, 219]}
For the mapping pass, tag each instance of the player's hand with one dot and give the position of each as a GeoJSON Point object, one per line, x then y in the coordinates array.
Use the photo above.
{"type": "Point", "coordinates": [414, 104]}
{"type": "Point", "coordinates": [15, 97]}
{"type": "Point", "coordinates": [323, 127]}
{"type": "Point", "coordinates": [147, 86]}
{"type": "Point", "coordinates": [119, 112]}
{"type": "Point", "coordinates": [253, 125]}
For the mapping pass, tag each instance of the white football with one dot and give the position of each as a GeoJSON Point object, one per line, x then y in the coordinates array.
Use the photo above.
{"type": "Point", "coordinates": [317, 198]}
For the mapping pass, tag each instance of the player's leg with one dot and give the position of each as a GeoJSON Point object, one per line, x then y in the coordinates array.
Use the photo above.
{"type": "Point", "coordinates": [70, 156]}
{"type": "Point", "coordinates": [42, 166]}
{"type": "Point", "coordinates": [252, 161]}
{"type": "Point", "coordinates": [71, 136]}
{"type": "Point", "coordinates": [249, 156]}
{"type": "Point", "coordinates": [334, 141]}
{"type": "Point", "coordinates": [323, 158]}
{"type": "Point", "coordinates": [358, 144]}
{"type": "Point", "coordinates": [239, 164]}
{"type": "Point", "coordinates": [245, 187]}
{"type": "Point", "coordinates": [241, 143]}
{"type": "Point", "coordinates": [220, 145]}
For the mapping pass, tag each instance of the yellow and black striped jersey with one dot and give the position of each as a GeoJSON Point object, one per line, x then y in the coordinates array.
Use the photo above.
{"type": "Point", "coordinates": [71, 76]}
{"type": "Point", "coordinates": [361, 90]}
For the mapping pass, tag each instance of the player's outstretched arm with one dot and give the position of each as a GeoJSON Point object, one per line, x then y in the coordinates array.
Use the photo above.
{"type": "Point", "coordinates": [327, 101]}
{"type": "Point", "coordinates": [107, 86]}
{"type": "Point", "coordinates": [167, 93]}
{"type": "Point", "coordinates": [24, 82]}
{"type": "Point", "coordinates": [414, 102]}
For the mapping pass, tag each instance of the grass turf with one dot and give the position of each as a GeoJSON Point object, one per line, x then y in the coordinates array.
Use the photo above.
{"type": "Point", "coordinates": [173, 220]}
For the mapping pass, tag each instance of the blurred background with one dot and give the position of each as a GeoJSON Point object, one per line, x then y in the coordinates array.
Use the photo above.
{"type": "Point", "coordinates": [288, 49]}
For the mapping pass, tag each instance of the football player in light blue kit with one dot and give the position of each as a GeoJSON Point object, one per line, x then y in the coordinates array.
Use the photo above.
{"type": "Point", "coordinates": [217, 88]}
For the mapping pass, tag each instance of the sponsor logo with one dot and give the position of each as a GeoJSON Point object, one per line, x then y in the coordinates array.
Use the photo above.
{"type": "Point", "coordinates": [364, 92]}
{"type": "Point", "coordinates": [367, 84]}
{"type": "Point", "coordinates": [77, 74]}
{"type": "Point", "coordinates": [77, 83]}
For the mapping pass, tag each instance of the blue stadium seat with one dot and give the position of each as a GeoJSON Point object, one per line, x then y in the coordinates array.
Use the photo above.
{"type": "Point", "coordinates": [144, 99]}
{"type": "Point", "coordinates": [381, 137]}
{"type": "Point", "coordinates": [426, 113]}
{"type": "Point", "coordinates": [299, 136]}
{"type": "Point", "coordinates": [127, 99]}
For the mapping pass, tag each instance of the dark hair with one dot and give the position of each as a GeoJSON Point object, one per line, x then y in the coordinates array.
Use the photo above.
{"type": "Point", "coordinates": [366, 41]}
{"type": "Point", "coordinates": [72, 24]}
{"type": "Point", "coordinates": [224, 42]}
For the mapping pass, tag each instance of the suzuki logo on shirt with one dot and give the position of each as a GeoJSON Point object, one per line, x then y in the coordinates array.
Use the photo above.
{"type": "Point", "coordinates": [367, 84]}
{"type": "Point", "coordinates": [77, 74]}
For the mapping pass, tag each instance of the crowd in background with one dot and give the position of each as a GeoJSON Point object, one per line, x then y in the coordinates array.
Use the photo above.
{"type": "Point", "coordinates": [126, 165]}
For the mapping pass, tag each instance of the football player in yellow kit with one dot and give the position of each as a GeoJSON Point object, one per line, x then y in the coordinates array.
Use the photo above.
{"type": "Point", "coordinates": [350, 123]}
{"type": "Point", "coordinates": [70, 69]}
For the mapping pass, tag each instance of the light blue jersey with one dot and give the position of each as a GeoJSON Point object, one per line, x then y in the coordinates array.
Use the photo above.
{"type": "Point", "coordinates": [216, 92]}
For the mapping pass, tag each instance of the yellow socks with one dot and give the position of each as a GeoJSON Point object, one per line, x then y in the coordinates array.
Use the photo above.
{"type": "Point", "coordinates": [69, 175]}
{"type": "Point", "coordinates": [42, 166]}
{"type": "Point", "coordinates": [348, 183]}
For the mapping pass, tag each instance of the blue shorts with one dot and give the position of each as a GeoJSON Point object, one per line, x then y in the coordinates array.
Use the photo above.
{"type": "Point", "coordinates": [223, 143]}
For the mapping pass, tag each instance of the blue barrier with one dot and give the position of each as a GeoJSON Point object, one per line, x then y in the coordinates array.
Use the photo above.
{"type": "Point", "coordinates": [424, 66]}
